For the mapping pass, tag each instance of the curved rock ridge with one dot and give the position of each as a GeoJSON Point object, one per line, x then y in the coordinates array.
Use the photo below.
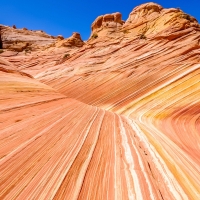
{"type": "Point", "coordinates": [116, 118]}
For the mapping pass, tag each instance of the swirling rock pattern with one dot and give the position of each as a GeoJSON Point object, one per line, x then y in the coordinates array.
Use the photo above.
{"type": "Point", "coordinates": [116, 117]}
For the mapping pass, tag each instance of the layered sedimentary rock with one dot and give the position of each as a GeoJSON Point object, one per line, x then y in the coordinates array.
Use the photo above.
{"type": "Point", "coordinates": [23, 39]}
{"type": "Point", "coordinates": [73, 41]}
{"type": "Point", "coordinates": [55, 147]}
{"type": "Point", "coordinates": [106, 25]}
{"type": "Point", "coordinates": [151, 20]}
{"type": "Point", "coordinates": [133, 131]}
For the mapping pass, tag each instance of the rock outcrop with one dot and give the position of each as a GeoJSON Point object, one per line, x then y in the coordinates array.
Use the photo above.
{"type": "Point", "coordinates": [73, 41]}
{"type": "Point", "coordinates": [115, 117]}
{"type": "Point", "coordinates": [151, 20]}
{"type": "Point", "coordinates": [60, 37]}
{"type": "Point", "coordinates": [106, 24]}
{"type": "Point", "coordinates": [20, 39]}
{"type": "Point", "coordinates": [1, 43]}
{"type": "Point", "coordinates": [148, 20]}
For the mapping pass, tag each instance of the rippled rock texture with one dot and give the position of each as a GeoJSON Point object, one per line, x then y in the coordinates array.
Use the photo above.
{"type": "Point", "coordinates": [115, 117]}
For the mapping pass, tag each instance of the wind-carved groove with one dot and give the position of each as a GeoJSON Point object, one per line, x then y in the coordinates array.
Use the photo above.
{"type": "Point", "coordinates": [149, 166]}
{"type": "Point", "coordinates": [161, 195]}
{"type": "Point", "coordinates": [99, 130]}
{"type": "Point", "coordinates": [88, 148]}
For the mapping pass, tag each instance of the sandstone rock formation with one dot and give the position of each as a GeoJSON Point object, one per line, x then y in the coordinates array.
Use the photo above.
{"type": "Point", "coordinates": [20, 39]}
{"type": "Point", "coordinates": [1, 44]}
{"type": "Point", "coordinates": [107, 24]}
{"type": "Point", "coordinates": [60, 37]}
{"type": "Point", "coordinates": [73, 41]}
{"type": "Point", "coordinates": [116, 117]}
{"type": "Point", "coordinates": [151, 20]}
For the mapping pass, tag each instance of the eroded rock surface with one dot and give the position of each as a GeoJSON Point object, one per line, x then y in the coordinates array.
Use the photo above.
{"type": "Point", "coordinates": [23, 39]}
{"type": "Point", "coordinates": [116, 117]}
{"type": "Point", "coordinates": [73, 41]}
{"type": "Point", "coordinates": [151, 20]}
{"type": "Point", "coordinates": [106, 24]}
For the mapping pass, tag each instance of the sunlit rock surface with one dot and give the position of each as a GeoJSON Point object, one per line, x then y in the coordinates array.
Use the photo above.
{"type": "Point", "coordinates": [23, 39]}
{"type": "Point", "coordinates": [73, 41]}
{"type": "Point", "coordinates": [117, 117]}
